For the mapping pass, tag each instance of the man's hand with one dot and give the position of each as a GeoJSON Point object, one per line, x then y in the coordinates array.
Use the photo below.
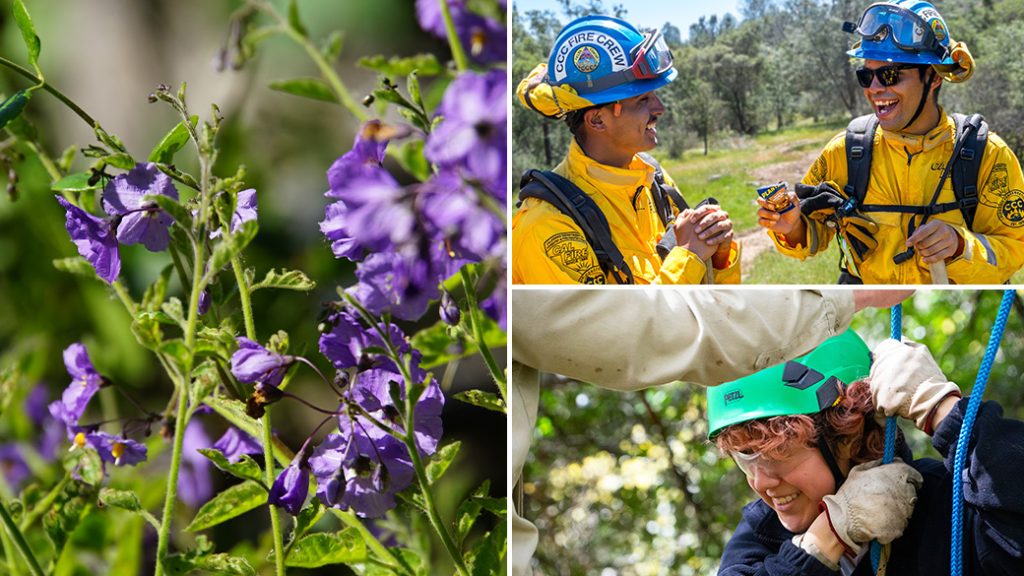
{"type": "Point", "coordinates": [703, 230]}
{"type": "Point", "coordinates": [786, 224]}
{"type": "Point", "coordinates": [875, 503]}
{"type": "Point", "coordinates": [936, 241]}
{"type": "Point", "coordinates": [906, 382]}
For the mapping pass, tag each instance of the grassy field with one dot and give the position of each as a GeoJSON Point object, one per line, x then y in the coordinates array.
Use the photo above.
{"type": "Point", "coordinates": [731, 172]}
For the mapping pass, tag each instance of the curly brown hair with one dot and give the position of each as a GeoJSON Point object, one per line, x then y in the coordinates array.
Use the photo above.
{"type": "Point", "coordinates": [849, 427]}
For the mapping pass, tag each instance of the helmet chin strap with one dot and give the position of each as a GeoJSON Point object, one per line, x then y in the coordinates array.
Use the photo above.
{"type": "Point", "coordinates": [924, 98]}
{"type": "Point", "coordinates": [830, 459]}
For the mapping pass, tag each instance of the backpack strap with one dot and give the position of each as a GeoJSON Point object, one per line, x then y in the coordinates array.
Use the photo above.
{"type": "Point", "coordinates": [968, 163]}
{"type": "Point", "coordinates": [574, 203]}
{"type": "Point", "coordinates": [860, 138]}
{"type": "Point", "coordinates": [663, 194]}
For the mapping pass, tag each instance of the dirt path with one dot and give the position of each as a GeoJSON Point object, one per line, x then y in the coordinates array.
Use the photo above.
{"type": "Point", "coordinates": [755, 241]}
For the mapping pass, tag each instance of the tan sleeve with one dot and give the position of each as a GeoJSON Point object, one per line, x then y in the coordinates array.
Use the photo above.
{"type": "Point", "coordinates": [631, 339]}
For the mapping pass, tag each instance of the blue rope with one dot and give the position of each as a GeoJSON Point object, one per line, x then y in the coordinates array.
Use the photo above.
{"type": "Point", "coordinates": [896, 333]}
{"type": "Point", "coordinates": [973, 405]}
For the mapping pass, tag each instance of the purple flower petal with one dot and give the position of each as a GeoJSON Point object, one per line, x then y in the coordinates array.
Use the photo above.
{"type": "Point", "coordinates": [254, 363]}
{"type": "Point", "coordinates": [120, 451]}
{"type": "Point", "coordinates": [94, 239]}
{"type": "Point", "coordinates": [291, 487]}
{"type": "Point", "coordinates": [234, 444]}
{"type": "Point", "coordinates": [141, 221]}
{"type": "Point", "coordinates": [194, 483]}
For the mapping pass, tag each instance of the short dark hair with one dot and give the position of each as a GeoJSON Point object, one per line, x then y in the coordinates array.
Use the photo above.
{"type": "Point", "coordinates": [574, 120]}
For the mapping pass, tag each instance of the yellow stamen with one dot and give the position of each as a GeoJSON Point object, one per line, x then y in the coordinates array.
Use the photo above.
{"type": "Point", "coordinates": [477, 41]}
{"type": "Point", "coordinates": [117, 451]}
{"type": "Point", "coordinates": [79, 441]}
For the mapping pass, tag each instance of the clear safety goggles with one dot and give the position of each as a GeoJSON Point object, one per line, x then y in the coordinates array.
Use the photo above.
{"type": "Point", "coordinates": [758, 464]}
{"type": "Point", "coordinates": [908, 30]}
{"type": "Point", "coordinates": [651, 58]}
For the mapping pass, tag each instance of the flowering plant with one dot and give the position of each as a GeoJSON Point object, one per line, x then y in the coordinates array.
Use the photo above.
{"type": "Point", "coordinates": [426, 237]}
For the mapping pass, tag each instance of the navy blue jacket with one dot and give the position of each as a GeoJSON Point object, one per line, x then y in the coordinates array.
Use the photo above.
{"type": "Point", "coordinates": [993, 513]}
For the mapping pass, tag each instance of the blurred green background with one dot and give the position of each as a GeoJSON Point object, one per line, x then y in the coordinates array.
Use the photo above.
{"type": "Point", "coordinates": [626, 483]}
{"type": "Point", "coordinates": [108, 56]}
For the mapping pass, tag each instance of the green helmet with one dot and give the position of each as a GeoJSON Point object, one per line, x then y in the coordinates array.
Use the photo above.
{"type": "Point", "coordinates": [806, 385]}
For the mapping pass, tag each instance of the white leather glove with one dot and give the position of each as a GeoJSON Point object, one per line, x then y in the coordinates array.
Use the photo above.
{"type": "Point", "coordinates": [875, 503]}
{"type": "Point", "coordinates": [906, 381]}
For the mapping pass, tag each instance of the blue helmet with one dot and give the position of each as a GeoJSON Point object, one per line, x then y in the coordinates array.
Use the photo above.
{"type": "Point", "coordinates": [902, 31]}
{"type": "Point", "coordinates": [604, 59]}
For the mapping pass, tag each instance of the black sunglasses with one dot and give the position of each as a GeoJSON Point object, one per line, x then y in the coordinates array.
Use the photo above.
{"type": "Point", "coordinates": [887, 75]}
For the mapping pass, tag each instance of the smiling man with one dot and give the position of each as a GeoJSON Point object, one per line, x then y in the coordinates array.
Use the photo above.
{"type": "Point", "coordinates": [909, 187]}
{"type": "Point", "coordinates": [607, 213]}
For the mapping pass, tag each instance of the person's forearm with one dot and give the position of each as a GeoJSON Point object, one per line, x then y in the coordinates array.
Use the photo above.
{"type": "Point", "coordinates": [819, 541]}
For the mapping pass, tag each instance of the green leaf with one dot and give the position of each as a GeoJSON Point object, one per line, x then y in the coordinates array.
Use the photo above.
{"type": "Point", "coordinates": [175, 310]}
{"type": "Point", "coordinates": [396, 67]}
{"type": "Point", "coordinates": [293, 18]}
{"type": "Point", "coordinates": [28, 33]}
{"type": "Point", "coordinates": [230, 246]}
{"type": "Point", "coordinates": [314, 88]}
{"type": "Point", "coordinates": [13, 106]}
{"type": "Point", "coordinates": [146, 328]}
{"type": "Point", "coordinates": [124, 499]}
{"type": "Point", "coordinates": [412, 83]}
{"type": "Point", "coordinates": [408, 558]}
{"type": "Point", "coordinates": [440, 348]}
{"type": "Point", "coordinates": [154, 296]}
{"type": "Point", "coordinates": [231, 503]}
{"type": "Point", "coordinates": [77, 182]}
{"type": "Point", "coordinates": [410, 158]}
{"type": "Point", "coordinates": [9, 376]}
{"type": "Point", "coordinates": [323, 548]}
{"type": "Point", "coordinates": [120, 160]}
{"type": "Point", "coordinates": [331, 47]}
{"type": "Point", "coordinates": [180, 565]}
{"type": "Point", "coordinates": [308, 517]}
{"type": "Point", "coordinates": [487, 557]}
{"type": "Point", "coordinates": [172, 142]}
{"type": "Point", "coordinates": [482, 399]}
{"type": "Point", "coordinates": [468, 512]}
{"type": "Point", "coordinates": [204, 382]}
{"type": "Point", "coordinates": [440, 462]}
{"type": "Point", "coordinates": [22, 129]}
{"type": "Point", "coordinates": [246, 468]}
{"type": "Point", "coordinates": [76, 265]}
{"type": "Point", "coordinates": [285, 280]}
{"type": "Point", "coordinates": [71, 506]}
{"type": "Point", "coordinates": [219, 342]}
{"type": "Point", "coordinates": [175, 349]}
{"type": "Point", "coordinates": [180, 214]}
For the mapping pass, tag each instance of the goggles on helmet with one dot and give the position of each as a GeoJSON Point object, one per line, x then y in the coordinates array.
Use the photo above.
{"type": "Point", "coordinates": [651, 58]}
{"type": "Point", "coordinates": [908, 30]}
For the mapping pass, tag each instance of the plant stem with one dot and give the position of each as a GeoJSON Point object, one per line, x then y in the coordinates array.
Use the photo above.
{"type": "Point", "coordinates": [268, 435]}
{"type": "Point", "coordinates": [44, 158]}
{"type": "Point", "coordinates": [473, 312]}
{"type": "Point", "coordinates": [350, 520]}
{"type": "Point", "coordinates": [46, 86]}
{"type": "Point", "coordinates": [12, 562]}
{"type": "Point", "coordinates": [19, 541]}
{"type": "Point", "coordinates": [421, 476]}
{"type": "Point", "coordinates": [458, 53]}
{"type": "Point", "coordinates": [43, 506]}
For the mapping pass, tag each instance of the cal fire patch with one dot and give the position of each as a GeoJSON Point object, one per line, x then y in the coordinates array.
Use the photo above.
{"type": "Point", "coordinates": [997, 186]}
{"type": "Point", "coordinates": [572, 253]}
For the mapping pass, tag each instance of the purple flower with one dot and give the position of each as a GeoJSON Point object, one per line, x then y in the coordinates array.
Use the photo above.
{"type": "Point", "coordinates": [402, 283]}
{"type": "Point", "coordinates": [359, 472]}
{"type": "Point", "coordinates": [194, 484]}
{"type": "Point", "coordinates": [94, 239]}
{"type": "Point", "coordinates": [254, 363]}
{"type": "Point", "coordinates": [246, 209]}
{"type": "Point", "coordinates": [375, 212]}
{"type": "Point", "coordinates": [449, 310]}
{"type": "Point", "coordinates": [204, 301]}
{"type": "Point", "coordinates": [234, 444]}
{"type": "Point", "coordinates": [140, 221]}
{"type": "Point", "coordinates": [472, 136]}
{"type": "Point", "coordinates": [52, 430]}
{"type": "Point", "coordinates": [112, 448]}
{"type": "Point", "coordinates": [343, 345]}
{"type": "Point", "coordinates": [377, 390]}
{"type": "Point", "coordinates": [483, 37]}
{"type": "Point", "coordinates": [290, 489]}
{"type": "Point", "coordinates": [86, 381]}
{"type": "Point", "coordinates": [428, 427]}
{"type": "Point", "coordinates": [456, 212]}
{"type": "Point", "coordinates": [496, 305]}
{"type": "Point", "coordinates": [13, 466]}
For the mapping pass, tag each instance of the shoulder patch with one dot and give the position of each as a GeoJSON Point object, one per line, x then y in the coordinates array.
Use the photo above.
{"type": "Point", "coordinates": [997, 186]}
{"type": "Point", "coordinates": [1011, 209]}
{"type": "Point", "coordinates": [571, 251]}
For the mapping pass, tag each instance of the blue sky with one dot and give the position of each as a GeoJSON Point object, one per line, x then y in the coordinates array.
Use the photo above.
{"type": "Point", "coordinates": [652, 13]}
